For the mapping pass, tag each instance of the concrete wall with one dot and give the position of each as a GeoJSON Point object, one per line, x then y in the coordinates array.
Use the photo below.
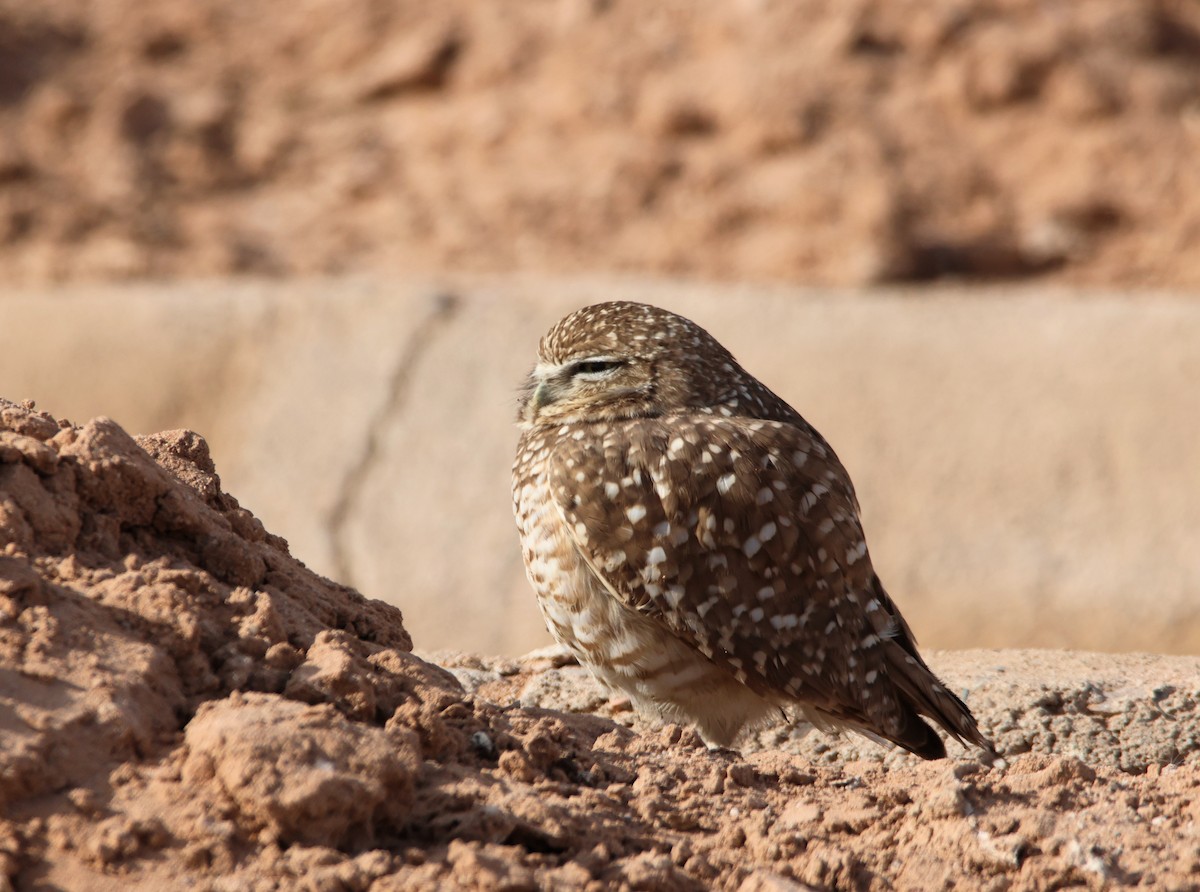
{"type": "Point", "coordinates": [1028, 463]}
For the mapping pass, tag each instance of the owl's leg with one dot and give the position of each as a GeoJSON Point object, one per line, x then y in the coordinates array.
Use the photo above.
{"type": "Point", "coordinates": [718, 732]}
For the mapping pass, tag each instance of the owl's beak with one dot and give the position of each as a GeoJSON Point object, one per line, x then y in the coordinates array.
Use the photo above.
{"type": "Point", "coordinates": [546, 388]}
{"type": "Point", "coordinates": [542, 395]}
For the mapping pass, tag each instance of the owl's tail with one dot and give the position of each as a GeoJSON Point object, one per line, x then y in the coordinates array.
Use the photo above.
{"type": "Point", "coordinates": [921, 693]}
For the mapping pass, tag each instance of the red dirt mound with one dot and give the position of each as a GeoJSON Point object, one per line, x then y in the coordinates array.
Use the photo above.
{"type": "Point", "coordinates": [184, 705]}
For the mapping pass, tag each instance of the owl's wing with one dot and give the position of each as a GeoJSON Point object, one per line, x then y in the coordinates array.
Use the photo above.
{"type": "Point", "coordinates": [742, 537]}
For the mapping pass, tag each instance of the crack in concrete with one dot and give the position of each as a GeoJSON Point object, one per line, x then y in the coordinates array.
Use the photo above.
{"type": "Point", "coordinates": [445, 307]}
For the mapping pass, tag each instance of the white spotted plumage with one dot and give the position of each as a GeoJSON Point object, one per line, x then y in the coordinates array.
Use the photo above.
{"type": "Point", "coordinates": [686, 561]}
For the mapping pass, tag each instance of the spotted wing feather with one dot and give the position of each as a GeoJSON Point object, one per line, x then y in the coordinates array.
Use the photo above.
{"type": "Point", "coordinates": [741, 536]}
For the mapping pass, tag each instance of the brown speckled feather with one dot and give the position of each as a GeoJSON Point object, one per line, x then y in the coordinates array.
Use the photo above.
{"type": "Point", "coordinates": [741, 537]}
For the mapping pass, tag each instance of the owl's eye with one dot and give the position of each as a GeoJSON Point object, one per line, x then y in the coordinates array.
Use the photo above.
{"type": "Point", "coordinates": [595, 366]}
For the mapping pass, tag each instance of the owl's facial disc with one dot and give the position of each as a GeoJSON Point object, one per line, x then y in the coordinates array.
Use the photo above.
{"type": "Point", "coordinates": [591, 385]}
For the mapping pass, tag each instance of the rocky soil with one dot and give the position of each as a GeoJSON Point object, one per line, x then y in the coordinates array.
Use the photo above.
{"type": "Point", "coordinates": [818, 141]}
{"type": "Point", "coordinates": [183, 704]}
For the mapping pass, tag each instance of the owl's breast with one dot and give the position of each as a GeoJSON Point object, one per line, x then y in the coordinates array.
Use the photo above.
{"type": "Point", "coordinates": [619, 644]}
{"type": "Point", "coordinates": [560, 577]}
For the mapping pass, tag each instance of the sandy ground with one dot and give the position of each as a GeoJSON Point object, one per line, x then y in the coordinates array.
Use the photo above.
{"type": "Point", "coordinates": [818, 141]}
{"type": "Point", "coordinates": [185, 705]}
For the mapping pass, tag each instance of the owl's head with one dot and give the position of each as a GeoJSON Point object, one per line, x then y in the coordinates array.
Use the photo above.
{"type": "Point", "coordinates": [628, 360]}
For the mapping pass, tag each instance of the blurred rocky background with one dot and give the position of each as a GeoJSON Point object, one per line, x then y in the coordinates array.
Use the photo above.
{"type": "Point", "coordinates": [963, 238]}
{"type": "Point", "coordinates": [820, 142]}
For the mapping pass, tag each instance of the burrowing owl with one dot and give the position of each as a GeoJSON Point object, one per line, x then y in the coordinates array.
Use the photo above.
{"type": "Point", "coordinates": [696, 543]}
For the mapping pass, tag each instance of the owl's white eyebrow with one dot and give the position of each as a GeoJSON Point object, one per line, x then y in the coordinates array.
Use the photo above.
{"type": "Point", "coordinates": [599, 357]}
{"type": "Point", "coordinates": [545, 370]}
